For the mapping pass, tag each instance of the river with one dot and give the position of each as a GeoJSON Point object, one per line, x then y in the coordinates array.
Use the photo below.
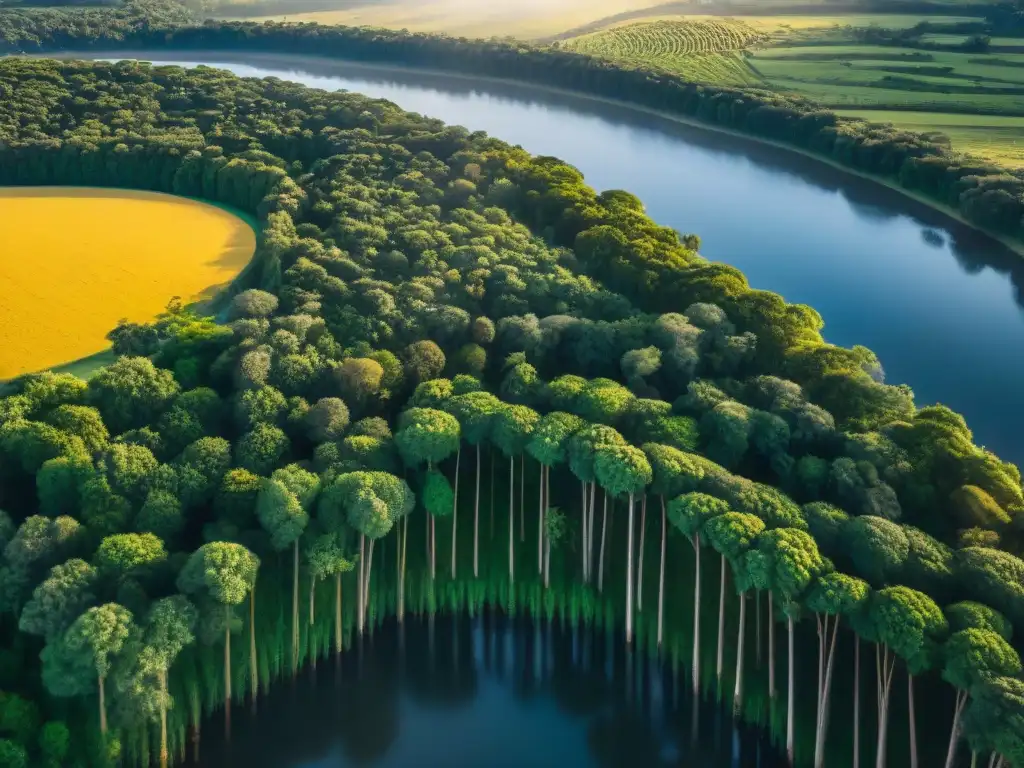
{"type": "Point", "coordinates": [939, 302]}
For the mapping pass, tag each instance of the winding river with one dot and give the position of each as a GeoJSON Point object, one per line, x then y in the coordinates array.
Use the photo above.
{"type": "Point", "coordinates": [940, 303]}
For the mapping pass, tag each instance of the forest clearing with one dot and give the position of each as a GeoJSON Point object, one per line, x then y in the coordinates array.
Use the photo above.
{"type": "Point", "coordinates": [93, 256]}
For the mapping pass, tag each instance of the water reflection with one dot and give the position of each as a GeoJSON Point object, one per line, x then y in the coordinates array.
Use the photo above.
{"type": "Point", "coordinates": [488, 691]}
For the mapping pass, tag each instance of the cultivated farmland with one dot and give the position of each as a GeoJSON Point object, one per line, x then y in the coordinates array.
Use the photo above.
{"type": "Point", "coordinates": [704, 50]}
{"type": "Point", "coordinates": [77, 260]}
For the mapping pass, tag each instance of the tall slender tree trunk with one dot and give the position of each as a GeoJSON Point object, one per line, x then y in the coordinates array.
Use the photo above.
{"type": "Point", "coordinates": [604, 529]}
{"type": "Point", "coordinates": [912, 716]}
{"type": "Point", "coordinates": [640, 557]}
{"type": "Point", "coordinates": [401, 568]}
{"type": "Point", "coordinates": [455, 508]}
{"type": "Point", "coordinates": [885, 671]}
{"type": "Point", "coordinates": [366, 580]}
{"type": "Point", "coordinates": [522, 498]}
{"type": "Point", "coordinates": [720, 658]}
{"type": "Point", "coordinates": [253, 661]}
{"type": "Point", "coordinates": [164, 754]}
{"type": "Point", "coordinates": [629, 576]}
{"type": "Point", "coordinates": [826, 692]}
{"type": "Point", "coordinates": [227, 671]}
{"type": "Point", "coordinates": [740, 654]}
{"type": "Point", "coordinates": [312, 599]}
{"type": "Point", "coordinates": [954, 733]}
{"type": "Point", "coordinates": [433, 547]}
{"type": "Point", "coordinates": [590, 532]}
{"type": "Point", "coordinates": [661, 577]}
{"type": "Point", "coordinates": [772, 688]}
{"type": "Point", "coordinates": [540, 521]}
{"type": "Point", "coordinates": [856, 700]}
{"type": "Point", "coordinates": [492, 490]}
{"type": "Point", "coordinates": [103, 706]}
{"type": "Point", "coordinates": [791, 694]}
{"type": "Point", "coordinates": [757, 628]}
{"type": "Point", "coordinates": [295, 607]}
{"type": "Point", "coordinates": [583, 528]}
{"type": "Point", "coordinates": [359, 585]}
{"type": "Point", "coordinates": [695, 672]}
{"type": "Point", "coordinates": [476, 519]}
{"type": "Point", "coordinates": [547, 539]}
{"type": "Point", "coordinates": [547, 562]}
{"type": "Point", "coordinates": [511, 524]}
{"type": "Point", "coordinates": [337, 611]}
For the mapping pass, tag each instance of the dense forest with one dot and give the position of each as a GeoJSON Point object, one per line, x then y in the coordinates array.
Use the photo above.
{"type": "Point", "coordinates": [428, 319]}
{"type": "Point", "coordinates": [986, 195]}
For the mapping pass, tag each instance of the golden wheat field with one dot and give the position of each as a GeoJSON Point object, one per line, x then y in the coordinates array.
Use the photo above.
{"type": "Point", "coordinates": [73, 261]}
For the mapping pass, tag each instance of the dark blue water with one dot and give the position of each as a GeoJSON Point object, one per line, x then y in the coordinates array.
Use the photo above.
{"type": "Point", "coordinates": [487, 692]}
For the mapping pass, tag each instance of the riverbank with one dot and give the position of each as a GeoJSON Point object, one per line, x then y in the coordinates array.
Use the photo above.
{"type": "Point", "coordinates": [1013, 244]}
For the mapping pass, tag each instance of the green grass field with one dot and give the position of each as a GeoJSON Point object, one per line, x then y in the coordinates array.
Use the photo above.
{"type": "Point", "coordinates": [705, 50]}
{"type": "Point", "coordinates": [886, 77]}
{"type": "Point", "coordinates": [994, 137]}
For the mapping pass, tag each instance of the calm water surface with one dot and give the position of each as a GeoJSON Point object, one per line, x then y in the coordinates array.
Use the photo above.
{"type": "Point", "coordinates": [939, 302]}
{"type": "Point", "coordinates": [486, 692]}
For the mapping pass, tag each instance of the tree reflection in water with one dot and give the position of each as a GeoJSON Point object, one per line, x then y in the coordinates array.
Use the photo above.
{"type": "Point", "coordinates": [488, 690]}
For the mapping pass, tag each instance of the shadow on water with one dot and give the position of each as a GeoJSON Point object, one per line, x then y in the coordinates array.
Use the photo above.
{"type": "Point", "coordinates": [487, 690]}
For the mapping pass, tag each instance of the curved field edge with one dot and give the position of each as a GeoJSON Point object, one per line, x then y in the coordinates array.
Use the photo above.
{"type": "Point", "coordinates": [87, 257]}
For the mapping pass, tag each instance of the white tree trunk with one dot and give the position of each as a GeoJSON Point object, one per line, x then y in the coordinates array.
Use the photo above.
{"type": "Point", "coordinates": [476, 519]}
{"type": "Point", "coordinates": [604, 528]}
{"type": "Point", "coordinates": [369, 573]}
{"type": "Point", "coordinates": [826, 694]}
{"type": "Point", "coordinates": [856, 700]}
{"type": "Point", "coordinates": [583, 528]}
{"type": "Point", "coordinates": [590, 533]}
{"type": "Point", "coordinates": [640, 557]}
{"type": "Point", "coordinates": [661, 578]}
{"type": "Point", "coordinates": [540, 522]}
{"type": "Point", "coordinates": [295, 607]}
{"type": "Point", "coordinates": [455, 507]}
{"type": "Point", "coordinates": [740, 648]}
{"type": "Point", "coordinates": [772, 688]}
{"type": "Point", "coordinates": [360, 587]}
{"type": "Point", "coordinates": [912, 716]}
{"type": "Point", "coordinates": [696, 617]}
{"type": "Point", "coordinates": [511, 524]}
{"type": "Point", "coordinates": [888, 667]}
{"type": "Point", "coordinates": [522, 497]}
{"type": "Point", "coordinates": [954, 733]}
{"type": "Point", "coordinates": [791, 694]}
{"type": "Point", "coordinates": [337, 612]}
{"type": "Point", "coordinates": [401, 571]}
{"type": "Point", "coordinates": [720, 658]}
{"type": "Point", "coordinates": [629, 576]}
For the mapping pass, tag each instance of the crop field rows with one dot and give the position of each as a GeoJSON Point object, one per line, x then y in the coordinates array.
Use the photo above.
{"type": "Point", "coordinates": [701, 50]}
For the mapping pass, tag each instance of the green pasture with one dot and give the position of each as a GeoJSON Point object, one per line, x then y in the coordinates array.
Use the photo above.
{"type": "Point", "coordinates": [897, 78]}
{"type": "Point", "coordinates": [996, 138]}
